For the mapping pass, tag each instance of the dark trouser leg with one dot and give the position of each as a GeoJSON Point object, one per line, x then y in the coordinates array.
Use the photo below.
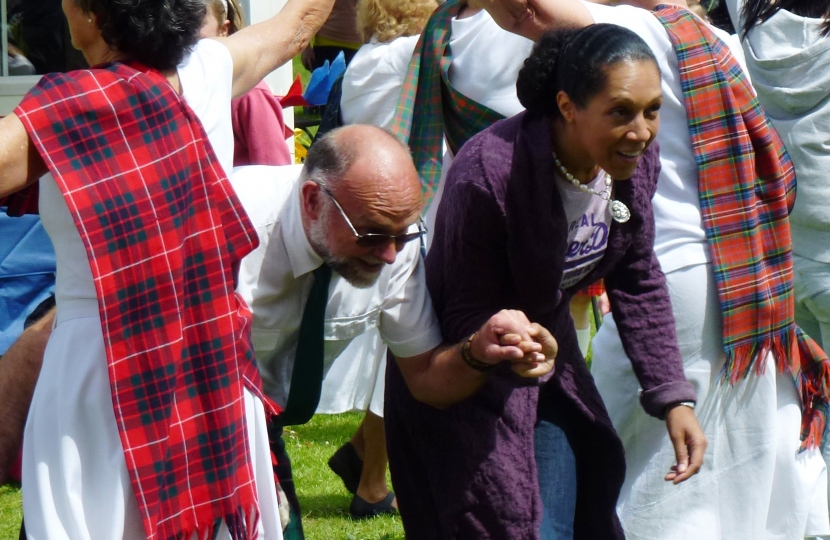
{"type": "Point", "coordinates": [294, 531]}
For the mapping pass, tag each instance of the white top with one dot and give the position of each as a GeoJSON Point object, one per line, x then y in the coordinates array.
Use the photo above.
{"type": "Point", "coordinates": [206, 77]}
{"type": "Point", "coordinates": [276, 278]}
{"type": "Point", "coordinates": [372, 82]}
{"type": "Point", "coordinates": [680, 240]}
{"type": "Point", "coordinates": [789, 61]}
{"type": "Point", "coordinates": [486, 60]}
{"type": "Point", "coordinates": [589, 221]}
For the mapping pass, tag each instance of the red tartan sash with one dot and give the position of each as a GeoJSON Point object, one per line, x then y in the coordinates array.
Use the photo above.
{"type": "Point", "coordinates": [163, 231]}
{"type": "Point", "coordinates": [747, 187]}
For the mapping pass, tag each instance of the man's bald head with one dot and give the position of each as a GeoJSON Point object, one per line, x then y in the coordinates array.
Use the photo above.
{"type": "Point", "coordinates": [370, 175]}
{"type": "Point", "coordinates": [336, 152]}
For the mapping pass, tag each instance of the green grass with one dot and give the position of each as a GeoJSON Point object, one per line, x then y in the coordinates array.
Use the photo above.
{"type": "Point", "coordinates": [10, 512]}
{"type": "Point", "coordinates": [324, 500]}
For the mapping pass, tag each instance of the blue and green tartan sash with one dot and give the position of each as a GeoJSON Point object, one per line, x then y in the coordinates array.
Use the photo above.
{"type": "Point", "coordinates": [746, 183]}
{"type": "Point", "coordinates": [430, 108]}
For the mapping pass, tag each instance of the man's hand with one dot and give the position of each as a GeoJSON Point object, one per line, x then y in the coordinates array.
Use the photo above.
{"type": "Point", "coordinates": [688, 440]}
{"type": "Point", "coordinates": [510, 336]}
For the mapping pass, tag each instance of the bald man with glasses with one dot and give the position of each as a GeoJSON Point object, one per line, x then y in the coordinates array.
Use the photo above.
{"type": "Point", "coordinates": [340, 255]}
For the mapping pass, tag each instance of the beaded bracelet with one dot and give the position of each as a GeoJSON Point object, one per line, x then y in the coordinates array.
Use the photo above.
{"type": "Point", "coordinates": [478, 365]}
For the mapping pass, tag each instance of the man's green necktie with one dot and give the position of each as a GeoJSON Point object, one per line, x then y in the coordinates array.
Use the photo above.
{"type": "Point", "coordinates": [307, 375]}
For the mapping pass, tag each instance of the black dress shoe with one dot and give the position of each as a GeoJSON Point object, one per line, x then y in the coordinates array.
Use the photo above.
{"type": "Point", "coordinates": [360, 509]}
{"type": "Point", "coordinates": [347, 465]}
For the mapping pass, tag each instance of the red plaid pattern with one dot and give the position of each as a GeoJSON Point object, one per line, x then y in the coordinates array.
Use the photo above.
{"type": "Point", "coordinates": [163, 231]}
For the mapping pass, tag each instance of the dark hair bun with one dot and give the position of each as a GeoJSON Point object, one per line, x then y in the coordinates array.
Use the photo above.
{"type": "Point", "coordinates": [537, 86]}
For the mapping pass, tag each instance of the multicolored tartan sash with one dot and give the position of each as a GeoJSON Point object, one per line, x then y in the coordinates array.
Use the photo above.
{"type": "Point", "coordinates": [163, 231]}
{"type": "Point", "coordinates": [747, 188]}
{"type": "Point", "coordinates": [430, 108]}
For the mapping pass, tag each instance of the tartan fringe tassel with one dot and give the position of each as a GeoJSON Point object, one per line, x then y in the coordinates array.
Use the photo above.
{"type": "Point", "coordinates": [797, 355]}
{"type": "Point", "coordinates": [813, 387]}
{"type": "Point", "coordinates": [242, 525]}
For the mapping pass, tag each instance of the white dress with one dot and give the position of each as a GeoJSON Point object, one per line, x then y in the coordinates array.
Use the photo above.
{"type": "Point", "coordinates": [753, 484]}
{"type": "Point", "coordinates": [75, 479]}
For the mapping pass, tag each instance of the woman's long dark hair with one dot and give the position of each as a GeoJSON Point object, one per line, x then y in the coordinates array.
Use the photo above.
{"type": "Point", "coordinates": [756, 12]}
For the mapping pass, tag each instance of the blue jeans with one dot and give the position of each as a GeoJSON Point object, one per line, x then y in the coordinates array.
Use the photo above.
{"type": "Point", "coordinates": [556, 466]}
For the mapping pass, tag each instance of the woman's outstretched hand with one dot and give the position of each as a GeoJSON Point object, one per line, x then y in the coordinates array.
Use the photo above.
{"type": "Point", "coordinates": [688, 440]}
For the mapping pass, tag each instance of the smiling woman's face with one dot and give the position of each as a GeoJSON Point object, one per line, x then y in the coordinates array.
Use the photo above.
{"type": "Point", "coordinates": [620, 121]}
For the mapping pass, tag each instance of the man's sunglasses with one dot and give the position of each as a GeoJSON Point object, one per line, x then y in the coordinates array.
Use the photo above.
{"type": "Point", "coordinates": [370, 240]}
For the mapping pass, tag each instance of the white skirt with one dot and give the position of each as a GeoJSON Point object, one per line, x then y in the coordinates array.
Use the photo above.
{"type": "Point", "coordinates": [754, 484]}
{"type": "Point", "coordinates": [75, 479]}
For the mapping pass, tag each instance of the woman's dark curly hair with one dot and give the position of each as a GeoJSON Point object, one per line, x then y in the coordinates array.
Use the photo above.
{"type": "Point", "coordinates": [157, 33]}
{"type": "Point", "coordinates": [574, 61]}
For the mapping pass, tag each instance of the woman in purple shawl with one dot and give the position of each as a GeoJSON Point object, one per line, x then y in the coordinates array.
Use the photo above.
{"type": "Point", "coordinates": [535, 208]}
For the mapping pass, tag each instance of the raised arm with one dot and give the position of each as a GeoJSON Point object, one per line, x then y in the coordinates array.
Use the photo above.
{"type": "Point", "coordinates": [20, 164]}
{"type": "Point", "coordinates": [532, 18]}
{"type": "Point", "coordinates": [261, 48]}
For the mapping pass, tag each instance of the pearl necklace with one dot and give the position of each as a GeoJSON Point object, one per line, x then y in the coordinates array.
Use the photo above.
{"type": "Point", "coordinates": [619, 211]}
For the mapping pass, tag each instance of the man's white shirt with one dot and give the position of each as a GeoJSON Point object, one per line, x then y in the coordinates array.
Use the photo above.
{"type": "Point", "coordinates": [276, 278]}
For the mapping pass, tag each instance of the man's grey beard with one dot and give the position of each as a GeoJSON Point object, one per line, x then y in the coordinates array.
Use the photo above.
{"type": "Point", "coordinates": [350, 271]}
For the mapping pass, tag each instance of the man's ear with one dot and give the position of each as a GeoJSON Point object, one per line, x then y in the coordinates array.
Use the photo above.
{"type": "Point", "coordinates": [310, 194]}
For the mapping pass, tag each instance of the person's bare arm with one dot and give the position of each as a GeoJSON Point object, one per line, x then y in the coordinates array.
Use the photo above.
{"type": "Point", "coordinates": [20, 164]}
{"type": "Point", "coordinates": [19, 371]}
{"type": "Point", "coordinates": [261, 48]}
{"type": "Point", "coordinates": [441, 377]}
{"type": "Point", "coordinates": [532, 18]}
